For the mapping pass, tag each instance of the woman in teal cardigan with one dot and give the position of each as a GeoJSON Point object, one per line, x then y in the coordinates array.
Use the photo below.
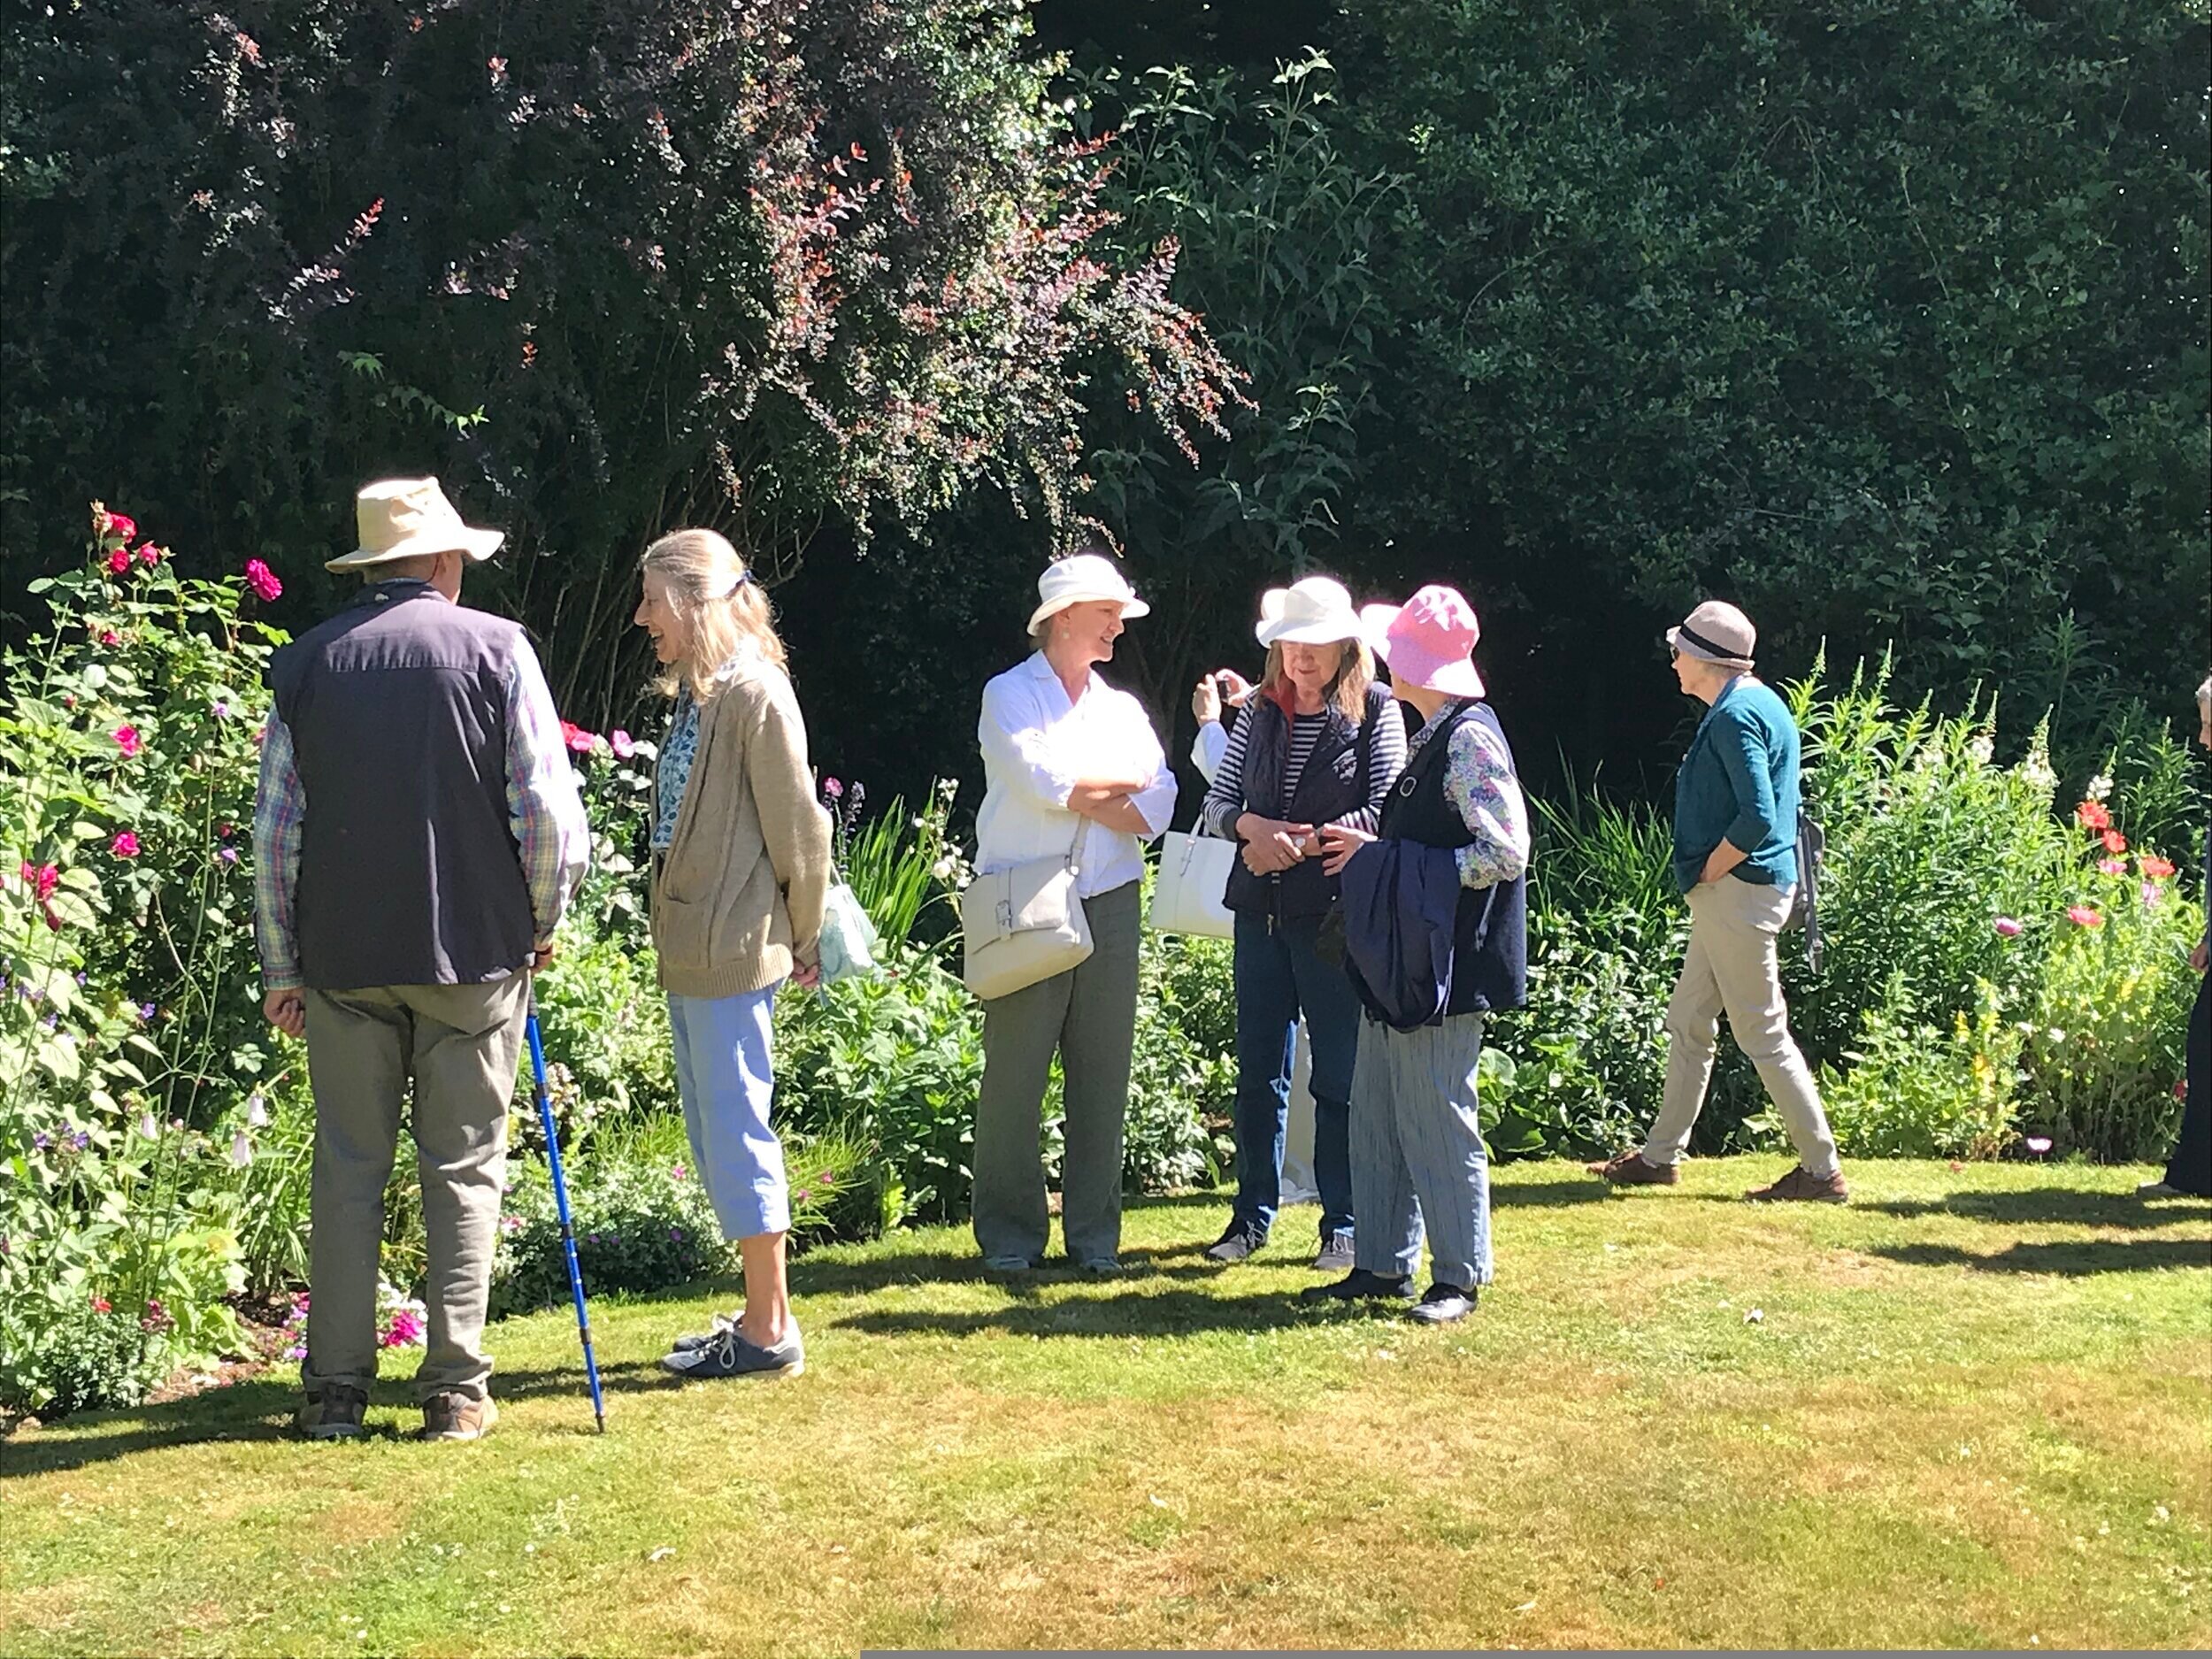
{"type": "Point", "coordinates": [1735, 858]}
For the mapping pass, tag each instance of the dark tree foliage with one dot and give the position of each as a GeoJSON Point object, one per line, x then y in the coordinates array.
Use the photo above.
{"type": "Point", "coordinates": [607, 268]}
{"type": "Point", "coordinates": [1885, 317]}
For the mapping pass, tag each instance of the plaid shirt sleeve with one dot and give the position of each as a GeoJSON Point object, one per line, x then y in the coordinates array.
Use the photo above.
{"type": "Point", "coordinates": [1478, 782]}
{"type": "Point", "coordinates": [544, 809]}
{"type": "Point", "coordinates": [280, 809]}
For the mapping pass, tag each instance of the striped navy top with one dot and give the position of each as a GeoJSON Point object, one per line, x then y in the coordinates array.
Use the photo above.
{"type": "Point", "coordinates": [1386, 759]}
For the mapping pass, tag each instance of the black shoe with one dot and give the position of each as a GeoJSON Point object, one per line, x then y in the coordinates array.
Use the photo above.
{"type": "Point", "coordinates": [1359, 1285]}
{"type": "Point", "coordinates": [1336, 1254]}
{"type": "Point", "coordinates": [1443, 1304]}
{"type": "Point", "coordinates": [1240, 1241]}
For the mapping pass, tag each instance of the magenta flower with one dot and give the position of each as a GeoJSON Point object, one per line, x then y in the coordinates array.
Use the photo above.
{"type": "Point", "coordinates": [227, 855]}
{"type": "Point", "coordinates": [124, 845]}
{"type": "Point", "coordinates": [833, 788]}
{"type": "Point", "coordinates": [263, 581]}
{"type": "Point", "coordinates": [151, 555]}
{"type": "Point", "coordinates": [2008, 926]}
{"type": "Point", "coordinates": [622, 743]}
{"type": "Point", "coordinates": [128, 741]}
{"type": "Point", "coordinates": [119, 562]}
{"type": "Point", "coordinates": [109, 636]}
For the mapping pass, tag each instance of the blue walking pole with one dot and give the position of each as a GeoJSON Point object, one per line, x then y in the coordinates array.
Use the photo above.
{"type": "Point", "coordinates": [560, 1200]}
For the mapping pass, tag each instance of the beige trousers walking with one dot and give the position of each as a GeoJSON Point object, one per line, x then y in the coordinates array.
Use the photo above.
{"type": "Point", "coordinates": [1731, 967]}
{"type": "Point", "coordinates": [459, 1045]}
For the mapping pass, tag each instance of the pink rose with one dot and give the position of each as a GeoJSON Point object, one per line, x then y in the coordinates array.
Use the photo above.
{"type": "Point", "coordinates": [119, 562]}
{"type": "Point", "coordinates": [127, 739]}
{"type": "Point", "coordinates": [622, 743]}
{"type": "Point", "coordinates": [109, 636]}
{"type": "Point", "coordinates": [263, 581]}
{"type": "Point", "coordinates": [124, 845]}
{"type": "Point", "coordinates": [122, 524]}
{"type": "Point", "coordinates": [151, 555]}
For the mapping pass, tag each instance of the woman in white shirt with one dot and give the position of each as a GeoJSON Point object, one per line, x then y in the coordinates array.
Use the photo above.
{"type": "Point", "coordinates": [1064, 753]}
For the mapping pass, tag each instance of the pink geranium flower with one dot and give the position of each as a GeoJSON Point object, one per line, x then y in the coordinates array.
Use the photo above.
{"type": "Point", "coordinates": [2082, 916]}
{"type": "Point", "coordinates": [124, 845]}
{"type": "Point", "coordinates": [263, 581]}
{"type": "Point", "coordinates": [128, 741]}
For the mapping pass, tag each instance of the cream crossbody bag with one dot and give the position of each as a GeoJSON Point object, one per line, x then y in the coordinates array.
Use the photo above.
{"type": "Point", "coordinates": [1021, 927]}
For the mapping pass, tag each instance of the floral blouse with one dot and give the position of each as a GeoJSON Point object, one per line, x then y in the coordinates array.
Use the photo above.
{"type": "Point", "coordinates": [1480, 785]}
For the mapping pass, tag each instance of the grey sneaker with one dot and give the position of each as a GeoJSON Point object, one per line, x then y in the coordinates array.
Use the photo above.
{"type": "Point", "coordinates": [732, 1355]}
{"type": "Point", "coordinates": [335, 1414]}
{"type": "Point", "coordinates": [1240, 1241]}
{"type": "Point", "coordinates": [696, 1341]}
{"type": "Point", "coordinates": [1336, 1254]}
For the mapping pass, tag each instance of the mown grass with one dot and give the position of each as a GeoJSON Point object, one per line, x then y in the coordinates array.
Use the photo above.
{"type": "Point", "coordinates": [1974, 1408]}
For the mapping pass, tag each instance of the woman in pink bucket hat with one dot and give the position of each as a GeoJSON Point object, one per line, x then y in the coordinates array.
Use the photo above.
{"type": "Point", "coordinates": [1456, 819]}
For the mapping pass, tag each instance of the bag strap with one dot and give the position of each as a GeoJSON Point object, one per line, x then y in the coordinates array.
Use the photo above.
{"type": "Point", "coordinates": [1075, 853]}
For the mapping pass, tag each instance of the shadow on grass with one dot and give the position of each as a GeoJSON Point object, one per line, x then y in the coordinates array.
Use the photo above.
{"type": "Point", "coordinates": [2059, 1204]}
{"type": "Point", "coordinates": [2069, 1260]}
{"type": "Point", "coordinates": [1150, 1314]}
{"type": "Point", "coordinates": [261, 1409]}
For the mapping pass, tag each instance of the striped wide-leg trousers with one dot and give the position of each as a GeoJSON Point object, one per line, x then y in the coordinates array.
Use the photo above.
{"type": "Point", "coordinates": [1417, 1158]}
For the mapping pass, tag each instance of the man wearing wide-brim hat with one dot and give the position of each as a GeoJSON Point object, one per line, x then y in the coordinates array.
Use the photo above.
{"type": "Point", "coordinates": [1736, 809]}
{"type": "Point", "coordinates": [417, 837]}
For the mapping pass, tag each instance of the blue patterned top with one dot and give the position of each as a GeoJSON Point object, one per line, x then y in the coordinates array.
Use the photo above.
{"type": "Point", "coordinates": [671, 773]}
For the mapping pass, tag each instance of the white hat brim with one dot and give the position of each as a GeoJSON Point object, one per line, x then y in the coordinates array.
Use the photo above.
{"type": "Point", "coordinates": [1132, 607]}
{"type": "Point", "coordinates": [474, 544]}
{"type": "Point", "coordinates": [1326, 631]}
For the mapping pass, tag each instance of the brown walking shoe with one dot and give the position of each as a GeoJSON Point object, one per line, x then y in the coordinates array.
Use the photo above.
{"type": "Point", "coordinates": [335, 1415]}
{"type": "Point", "coordinates": [454, 1416]}
{"type": "Point", "coordinates": [1812, 1189]}
{"type": "Point", "coordinates": [1631, 1170]}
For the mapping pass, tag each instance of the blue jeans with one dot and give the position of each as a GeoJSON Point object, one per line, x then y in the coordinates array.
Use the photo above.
{"type": "Point", "coordinates": [1278, 976]}
{"type": "Point", "coordinates": [722, 1073]}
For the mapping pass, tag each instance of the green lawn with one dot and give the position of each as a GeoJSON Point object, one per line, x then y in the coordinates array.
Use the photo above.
{"type": "Point", "coordinates": [1974, 1408]}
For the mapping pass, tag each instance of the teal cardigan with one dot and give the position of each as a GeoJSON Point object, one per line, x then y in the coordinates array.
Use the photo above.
{"type": "Point", "coordinates": [1738, 784]}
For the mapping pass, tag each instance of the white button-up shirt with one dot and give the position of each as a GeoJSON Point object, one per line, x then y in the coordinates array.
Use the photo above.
{"type": "Point", "coordinates": [1037, 747]}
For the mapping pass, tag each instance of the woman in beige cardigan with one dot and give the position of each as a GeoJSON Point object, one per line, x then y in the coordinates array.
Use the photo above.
{"type": "Point", "coordinates": [740, 863]}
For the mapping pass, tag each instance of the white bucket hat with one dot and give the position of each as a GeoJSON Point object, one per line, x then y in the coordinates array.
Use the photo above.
{"type": "Point", "coordinates": [402, 518]}
{"type": "Point", "coordinates": [1314, 611]}
{"type": "Point", "coordinates": [1715, 633]}
{"type": "Point", "coordinates": [1077, 580]}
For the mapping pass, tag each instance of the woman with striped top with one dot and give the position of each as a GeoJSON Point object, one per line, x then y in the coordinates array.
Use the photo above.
{"type": "Point", "coordinates": [1317, 743]}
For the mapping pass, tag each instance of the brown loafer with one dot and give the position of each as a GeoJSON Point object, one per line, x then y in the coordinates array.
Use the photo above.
{"type": "Point", "coordinates": [454, 1416]}
{"type": "Point", "coordinates": [1801, 1187]}
{"type": "Point", "coordinates": [1631, 1170]}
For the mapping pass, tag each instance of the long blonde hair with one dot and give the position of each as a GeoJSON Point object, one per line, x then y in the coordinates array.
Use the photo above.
{"type": "Point", "coordinates": [1346, 691]}
{"type": "Point", "coordinates": [725, 611]}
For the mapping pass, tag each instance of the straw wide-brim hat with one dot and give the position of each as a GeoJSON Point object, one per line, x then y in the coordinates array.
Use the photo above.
{"type": "Point", "coordinates": [1715, 633]}
{"type": "Point", "coordinates": [1428, 641]}
{"type": "Point", "coordinates": [405, 518]}
{"type": "Point", "coordinates": [1080, 579]}
{"type": "Point", "coordinates": [1314, 611]}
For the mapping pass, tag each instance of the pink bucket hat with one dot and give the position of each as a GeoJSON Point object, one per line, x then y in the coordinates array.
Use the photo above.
{"type": "Point", "coordinates": [1428, 641]}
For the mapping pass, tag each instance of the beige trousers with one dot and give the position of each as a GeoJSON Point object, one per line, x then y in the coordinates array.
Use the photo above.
{"type": "Point", "coordinates": [459, 1045]}
{"type": "Point", "coordinates": [1731, 968]}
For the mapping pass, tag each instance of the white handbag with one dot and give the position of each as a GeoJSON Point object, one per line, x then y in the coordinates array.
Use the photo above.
{"type": "Point", "coordinates": [1193, 876]}
{"type": "Point", "coordinates": [1020, 926]}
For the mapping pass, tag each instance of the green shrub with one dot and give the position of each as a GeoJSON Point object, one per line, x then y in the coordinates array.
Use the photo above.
{"type": "Point", "coordinates": [2107, 1024]}
{"type": "Point", "coordinates": [1915, 1091]}
{"type": "Point", "coordinates": [130, 1031]}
